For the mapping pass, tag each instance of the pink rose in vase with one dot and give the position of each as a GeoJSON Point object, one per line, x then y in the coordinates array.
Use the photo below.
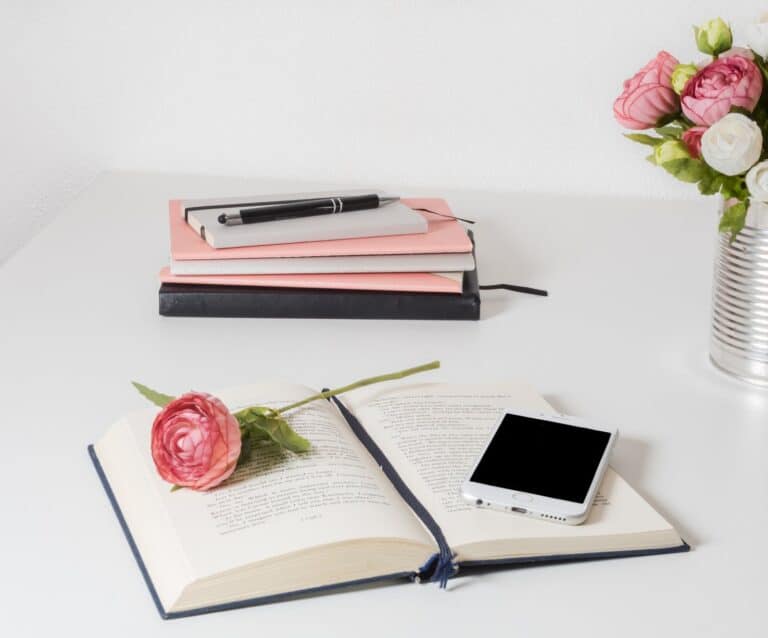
{"type": "Point", "coordinates": [726, 82]}
{"type": "Point", "coordinates": [195, 441]}
{"type": "Point", "coordinates": [648, 95]}
{"type": "Point", "coordinates": [692, 140]}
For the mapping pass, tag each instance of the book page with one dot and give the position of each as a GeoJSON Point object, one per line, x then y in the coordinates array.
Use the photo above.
{"type": "Point", "coordinates": [280, 502]}
{"type": "Point", "coordinates": [433, 435]}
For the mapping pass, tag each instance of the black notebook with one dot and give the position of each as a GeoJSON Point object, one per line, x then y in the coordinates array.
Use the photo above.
{"type": "Point", "coordinates": [377, 498]}
{"type": "Point", "coordinates": [194, 300]}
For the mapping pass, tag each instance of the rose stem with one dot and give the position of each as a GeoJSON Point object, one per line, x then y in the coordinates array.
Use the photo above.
{"type": "Point", "coordinates": [359, 384]}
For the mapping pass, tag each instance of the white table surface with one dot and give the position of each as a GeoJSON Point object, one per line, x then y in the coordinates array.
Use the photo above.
{"type": "Point", "coordinates": [622, 339]}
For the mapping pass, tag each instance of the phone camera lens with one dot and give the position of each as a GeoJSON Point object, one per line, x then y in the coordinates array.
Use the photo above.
{"type": "Point", "coordinates": [479, 501]}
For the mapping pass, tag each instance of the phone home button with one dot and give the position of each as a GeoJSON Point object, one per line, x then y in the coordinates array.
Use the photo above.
{"type": "Point", "coordinates": [523, 498]}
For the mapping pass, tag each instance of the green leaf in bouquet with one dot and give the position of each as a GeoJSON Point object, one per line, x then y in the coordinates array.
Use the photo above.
{"type": "Point", "coordinates": [733, 219]}
{"type": "Point", "coordinates": [264, 424]}
{"type": "Point", "coordinates": [686, 169]}
{"type": "Point", "coordinates": [652, 159]}
{"type": "Point", "coordinates": [734, 187]}
{"type": "Point", "coordinates": [158, 398]}
{"type": "Point", "coordinates": [711, 182]}
{"type": "Point", "coordinates": [670, 132]}
{"type": "Point", "coordinates": [642, 138]}
{"type": "Point", "coordinates": [667, 119]}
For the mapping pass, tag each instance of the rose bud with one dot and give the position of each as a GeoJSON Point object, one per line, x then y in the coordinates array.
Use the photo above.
{"type": "Point", "coordinates": [681, 75]}
{"type": "Point", "coordinates": [668, 151]}
{"type": "Point", "coordinates": [713, 37]}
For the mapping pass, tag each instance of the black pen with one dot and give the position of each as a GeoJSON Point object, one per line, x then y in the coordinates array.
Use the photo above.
{"type": "Point", "coordinates": [274, 211]}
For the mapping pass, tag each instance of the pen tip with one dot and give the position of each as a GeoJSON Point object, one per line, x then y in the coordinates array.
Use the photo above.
{"type": "Point", "coordinates": [222, 219]}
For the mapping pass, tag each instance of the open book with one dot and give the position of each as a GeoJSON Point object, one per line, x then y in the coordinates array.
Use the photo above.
{"type": "Point", "coordinates": [376, 498]}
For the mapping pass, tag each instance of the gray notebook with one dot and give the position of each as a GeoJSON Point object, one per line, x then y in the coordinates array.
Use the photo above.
{"type": "Point", "coordinates": [202, 216]}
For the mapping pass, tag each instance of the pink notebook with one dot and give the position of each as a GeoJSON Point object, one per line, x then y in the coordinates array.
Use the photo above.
{"type": "Point", "coordinates": [443, 236]}
{"type": "Point", "coordinates": [400, 282]}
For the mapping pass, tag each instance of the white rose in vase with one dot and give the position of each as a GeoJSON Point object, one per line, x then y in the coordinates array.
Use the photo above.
{"type": "Point", "coordinates": [757, 36]}
{"type": "Point", "coordinates": [757, 182]}
{"type": "Point", "coordinates": [732, 145]}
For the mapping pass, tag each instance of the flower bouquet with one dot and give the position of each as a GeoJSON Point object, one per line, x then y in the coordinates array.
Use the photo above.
{"type": "Point", "coordinates": [707, 121]}
{"type": "Point", "coordinates": [708, 125]}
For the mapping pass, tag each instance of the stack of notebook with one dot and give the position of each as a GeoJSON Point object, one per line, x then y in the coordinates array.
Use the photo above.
{"type": "Point", "coordinates": [392, 262]}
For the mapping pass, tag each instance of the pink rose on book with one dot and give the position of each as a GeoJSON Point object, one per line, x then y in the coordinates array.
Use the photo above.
{"type": "Point", "coordinates": [724, 83]}
{"type": "Point", "coordinates": [195, 441]}
{"type": "Point", "coordinates": [692, 140]}
{"type": "Point", "coordinates": [648, 95]}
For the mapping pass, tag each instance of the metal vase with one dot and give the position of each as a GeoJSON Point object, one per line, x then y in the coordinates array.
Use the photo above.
{"type": "Point", "coordinates": [739, 339]}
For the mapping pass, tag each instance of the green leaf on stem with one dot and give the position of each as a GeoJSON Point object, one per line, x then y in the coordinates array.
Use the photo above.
{"type": "Point", "coordinates": [733, 219]}
{"type": "Point", "coordinates": [175, 487]}
{"type": "Point", "coordinates": [250, 437]}
{"type": "Point", "coordinates": [264, 424]}
{"type": "Point", "coordinates": [642, 138]}
{"type": "Point", "coordinates": [158, 398]}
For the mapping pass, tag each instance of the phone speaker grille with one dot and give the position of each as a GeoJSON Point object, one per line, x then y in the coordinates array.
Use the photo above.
{"type": "Point", "coordinates": [554, 518]}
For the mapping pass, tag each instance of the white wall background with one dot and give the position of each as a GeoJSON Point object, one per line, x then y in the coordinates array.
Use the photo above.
{"type": "Point", "coordinates": [496, 95]}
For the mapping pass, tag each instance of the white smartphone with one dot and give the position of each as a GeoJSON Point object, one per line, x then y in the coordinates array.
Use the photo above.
{"type": "Point", "coordinates": [543, 466]}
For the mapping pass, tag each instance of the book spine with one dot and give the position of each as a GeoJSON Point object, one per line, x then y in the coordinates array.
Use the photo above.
{"type": "Point", "coordinates": [185, 300]}
{"type": "Point", "coordinates": [439, 567]}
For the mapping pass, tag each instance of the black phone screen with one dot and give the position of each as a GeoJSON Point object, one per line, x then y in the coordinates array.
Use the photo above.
{"type": "Point", "coordinates": [542, 457]}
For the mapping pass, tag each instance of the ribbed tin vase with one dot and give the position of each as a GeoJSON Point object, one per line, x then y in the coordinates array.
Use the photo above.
{"type": "Point", "coordinates": [739, 340]}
